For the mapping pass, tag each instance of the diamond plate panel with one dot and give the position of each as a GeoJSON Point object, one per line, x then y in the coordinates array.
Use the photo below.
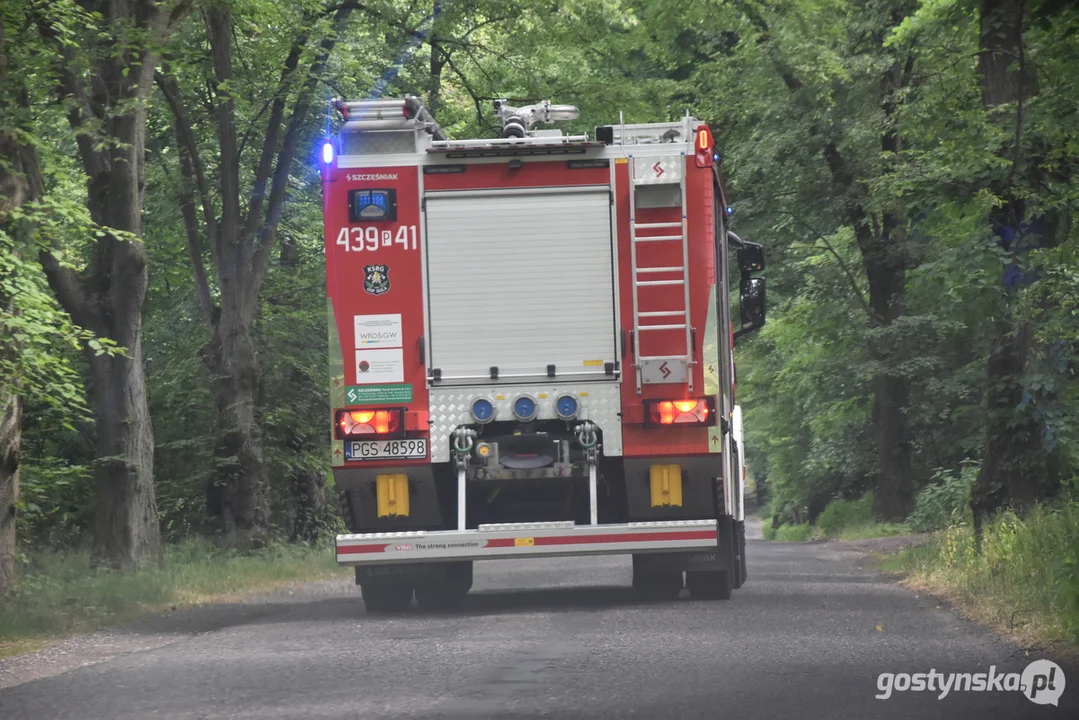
{"type": "Point", "coordinates": [658, 170]}
{"type": "Point", "coordinates": [673, 523]}
{"type": "Point", "coordinates": [505, 527]}
{"type": "Point", "coordinates": [382, 536]}
{"type": "Point", "coordinates": [449, 407]}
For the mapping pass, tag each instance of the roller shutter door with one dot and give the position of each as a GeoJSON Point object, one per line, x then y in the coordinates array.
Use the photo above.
{"type": "Point", "coordinates": [520, 280]}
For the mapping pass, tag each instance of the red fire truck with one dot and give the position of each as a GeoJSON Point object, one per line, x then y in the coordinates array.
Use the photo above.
{"type": "Point", "coordinates": [531, 350]}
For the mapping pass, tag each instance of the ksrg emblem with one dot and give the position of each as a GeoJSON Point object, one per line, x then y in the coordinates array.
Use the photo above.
{"type": "Point", "coordinates": [376, 279]}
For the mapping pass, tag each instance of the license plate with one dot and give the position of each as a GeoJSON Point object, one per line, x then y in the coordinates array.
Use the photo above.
{"type": "Point", "coordinates": [379, 449]}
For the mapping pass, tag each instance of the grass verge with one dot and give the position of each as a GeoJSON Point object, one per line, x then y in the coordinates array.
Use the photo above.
{"type": "Point", "coordinates": [58, 595]}
{"type": "Point", "coordinates": [1024, 584]}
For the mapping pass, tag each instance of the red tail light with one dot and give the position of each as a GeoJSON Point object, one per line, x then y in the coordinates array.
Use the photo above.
{"type": "Point", "coordinates": [704, 138]}
{"type": "Point", "coordinates": [354, 423]}
{"type": "Point", "coordinates": [681, 412]}
{"type": "Point", "coordinates": [704, 147]}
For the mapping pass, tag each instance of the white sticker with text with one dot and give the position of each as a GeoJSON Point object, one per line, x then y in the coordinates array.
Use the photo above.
{"type": "Point", "coordinates": [380, 366]}
{"type": "Point", "coordinates": [377, 331]}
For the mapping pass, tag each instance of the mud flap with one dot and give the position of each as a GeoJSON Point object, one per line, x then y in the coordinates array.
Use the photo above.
{"type": "Point", "coordinates": [665, 562]}
{"type": "Point", "coordinates": [724, 557]}
{"type": "Point", "coordinates": [728, 555]}
{"type": "Point", "coordinates": [740, 538]}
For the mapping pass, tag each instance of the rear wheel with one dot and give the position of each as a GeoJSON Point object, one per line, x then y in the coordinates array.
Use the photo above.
{"type": "Point", "coordinates": [386, 598]}
{"type": "Point", "coordinates": [709, 584]}
{"type": "Point", "coordinates": [446, 593]}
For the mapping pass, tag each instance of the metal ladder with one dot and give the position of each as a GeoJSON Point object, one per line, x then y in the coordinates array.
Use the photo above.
{"type": "Point", "coordinates": [656, 369]}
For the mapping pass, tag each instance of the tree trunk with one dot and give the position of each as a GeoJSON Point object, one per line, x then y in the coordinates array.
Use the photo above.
{"type": "Point", "coordinates": [884, 261]}
{"type": "Point", "coordinates": [10, 426]}
{"type": "Point", "coordinates": [126, 531]}
{"type": "Point", "coordinates": [240, 242]}
{"type": "Point", "coordinates": [240, 486]}
{"type": "Point", "coordinates": [1014, 462]}
{"type": "Point", "coordinates": [126, 527]}
{"type": "Point", "coordinates": [885, 257]}
{"type": "Point", "coordinates": [109, 118]}
{"type": "Point", "coordinates": [309, 492]}
{"type": "Point", "coordinates": [438, 61]}
{"type": "Point", "coordinates": [18, 183]}
{"type": "Point", "coordinates": [893, 497]}
{"type": "Point", "coordinates": [1015, 466]}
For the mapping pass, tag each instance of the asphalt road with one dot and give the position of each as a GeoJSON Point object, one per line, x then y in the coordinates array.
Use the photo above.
{"type": "Point", "coordinates": [553, 638]}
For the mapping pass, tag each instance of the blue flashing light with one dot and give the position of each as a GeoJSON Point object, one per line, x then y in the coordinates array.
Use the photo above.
{"type": "Point", "coordinates": [327, 152]}
{"type": "Point", "coordinates": [524, 408]}
{"type": "Point", "coordinates": [730, 210]}
{"type": "Point", "coordinates": [715, 157]}
{"type": "Point", "coordinates": [567, 407]}
{"type": "Point", "coordinates": [482, 410]}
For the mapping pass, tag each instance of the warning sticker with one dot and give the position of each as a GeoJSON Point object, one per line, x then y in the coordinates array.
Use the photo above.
{"type": "Point", "coordinates": [377, 331]}
{"type": "Point", "coordinates": [380, 366]}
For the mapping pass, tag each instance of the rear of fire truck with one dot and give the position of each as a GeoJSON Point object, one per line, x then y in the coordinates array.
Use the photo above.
{"type": "Point", "coordinates": [531, 350]}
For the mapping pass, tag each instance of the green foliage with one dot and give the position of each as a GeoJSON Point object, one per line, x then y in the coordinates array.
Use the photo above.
{"type": "Point", "coordinates": [840, 520]}
{"type": "Point", "coordinates": [843, 514]}
{"type": "Point", "coordinates": [56, 503]}
{"type": "Point", "coordinates": [945, 501]}
{"type": "Point", "coordinates": [1025, 577]}
{"type": "Point", "coordinates": [806, 381]}
{"type": "Point", "coordinates": [33, 327]}
{"type": "Point", "coordinates": [793, 533]}
{"type": "Point", "coordinates": [864, 531]}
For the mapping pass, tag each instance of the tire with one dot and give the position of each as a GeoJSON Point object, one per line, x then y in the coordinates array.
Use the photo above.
{"type": "Point", "coordinates": [447, 593]}
{"type": "Point", "coordinates": [709, 584]}
{"type": "Point", "coordinates": [386, 598]}
{"type": "Point", "coordinates": [657, 587]}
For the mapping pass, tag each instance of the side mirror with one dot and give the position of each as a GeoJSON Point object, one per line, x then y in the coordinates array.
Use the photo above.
{"type": "Point", "coordinates": [750, 257]}
{"type": "Point", "coordinates": [753, 301]}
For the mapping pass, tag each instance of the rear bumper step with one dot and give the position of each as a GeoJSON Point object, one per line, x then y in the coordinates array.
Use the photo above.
{"type": "Point", "coordinates": [513, 540]}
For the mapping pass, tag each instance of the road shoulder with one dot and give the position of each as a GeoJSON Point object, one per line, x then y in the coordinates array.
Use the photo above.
{"type": "Point", "coordinates": [74, 652]}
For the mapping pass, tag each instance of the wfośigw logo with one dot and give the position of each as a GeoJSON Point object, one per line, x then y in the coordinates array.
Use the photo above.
{"type": "Point", "coordinates": [376, 279]}
{"type": "Point", "coordinates": [1041, 682]}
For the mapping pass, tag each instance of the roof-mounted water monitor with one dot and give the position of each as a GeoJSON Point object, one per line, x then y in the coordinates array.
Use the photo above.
{"type": "Point", "coordinates": [518, 121]}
